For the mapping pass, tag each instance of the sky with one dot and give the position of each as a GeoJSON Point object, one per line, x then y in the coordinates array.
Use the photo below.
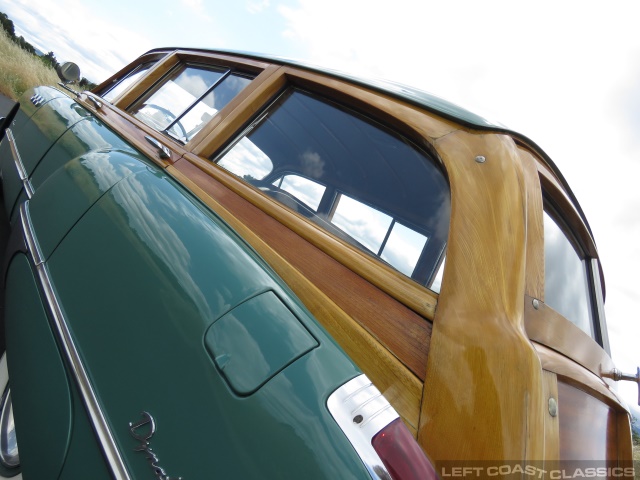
{"type": "Point", "coordinates": [564, 73]}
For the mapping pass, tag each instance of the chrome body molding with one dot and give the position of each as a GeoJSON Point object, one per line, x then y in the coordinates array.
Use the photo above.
{"type": "Point", "coordinates": [22, 173]}
{"type": "Point", "coordinates": [61, 329]}
{"type": "Point", "coordinates": [361, 411]}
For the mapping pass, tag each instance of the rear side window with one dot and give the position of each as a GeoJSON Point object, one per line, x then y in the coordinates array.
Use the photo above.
{"type": "Point", "coordinates": [188, 98]}
{"type": "Point", "coordinates": [351, 176]}
{"type": "Point", "coordinates": [566, 284]}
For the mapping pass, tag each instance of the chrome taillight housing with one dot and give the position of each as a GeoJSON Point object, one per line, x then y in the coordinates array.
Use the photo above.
{"type": "Point", "coordinates": [374, 428]}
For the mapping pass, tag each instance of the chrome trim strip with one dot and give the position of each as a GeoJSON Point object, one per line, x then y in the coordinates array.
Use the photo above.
{"type": "Point", "coordinates": [98, 419]}
{"type": "Point", "coordinates": [22, 173]}
{"type": "Point", "coordinates": [361, 411]}
{"type": "Point", "coordinates": [27, 228]}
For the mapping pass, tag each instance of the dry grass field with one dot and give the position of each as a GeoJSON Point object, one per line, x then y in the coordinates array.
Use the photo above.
{"type": "Point", "coordinates": [20, 70]}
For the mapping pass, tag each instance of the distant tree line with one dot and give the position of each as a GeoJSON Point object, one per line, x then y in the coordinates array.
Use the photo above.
{"type": "Point", "coordinates": [48, 59]}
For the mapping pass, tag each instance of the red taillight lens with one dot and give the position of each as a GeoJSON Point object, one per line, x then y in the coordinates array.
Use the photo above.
{"type": "Point", "coordinates": [401, 454]}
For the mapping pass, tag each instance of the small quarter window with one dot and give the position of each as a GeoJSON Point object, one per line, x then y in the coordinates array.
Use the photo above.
{"type": "Point", "coordinates": [353, 177]}
{"type": "Point", "coordinates": [126, 82]}
{"type": "Point", "coordinates": [188, 99]}
{"type": "Point", "coordinates": [566, 287]}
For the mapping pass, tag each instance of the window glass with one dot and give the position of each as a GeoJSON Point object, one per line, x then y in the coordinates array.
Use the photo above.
{"type": "Point", "coordinates": [364, 223]}
{"type": "Point", "coordinates": [123, 84]}
{"type": "Point", "coordinates": [204, 110]}
{"type": "Point", "coordinates": [566, 287]}
{"type": "Point", "coordinates": [306, 190]}
{"type": "Point", "coordinates": [247, 161]}
{"type": "Point", "coordinates": [351, 176]}
{"type": "Point", "coordinates": [188, 99]}
{"type": "Point", "coordinates": [403, 248]}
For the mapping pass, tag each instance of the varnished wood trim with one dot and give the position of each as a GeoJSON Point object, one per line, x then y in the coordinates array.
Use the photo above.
{"type": "Point", "coordinates": [578, 376]}
{"type": "Point", "coordinates": [243, 64]}
{"type": "Point", "coordinates": [233, 116]}
{"type": "Point", "coordinates": [134, 131]}
{"type": "Point", "coordinates": [147, 81]}
{"type": "Point", "coordinates": [125, 70]}
{"type": "Point", "coordinates": [624, 440]}
{"type": "Point", "coordinates": [534, 279]}
{"type": "Point", "coordinates": [483, 374]}
{"type": "Point", "coordinates": [554, 191]}
{"type": "Point", "coordinates": [551, 423]}
{"type": "Point", "coordinates": [395, 381]}
{"type": "Point", "coordinates": [404, 333]}
{"type": "Point", "coordinates": [588, 426]}
{"type": "Point", "coordinates": [546, 326]}
{"type": "Point", "coordinates": [414, 123]}
{"type": "Point", "coordinates": [420, 299]}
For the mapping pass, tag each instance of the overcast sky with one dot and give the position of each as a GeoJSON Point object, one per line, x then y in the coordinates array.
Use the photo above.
{"type": "Point", "coordinates": [564, 73]}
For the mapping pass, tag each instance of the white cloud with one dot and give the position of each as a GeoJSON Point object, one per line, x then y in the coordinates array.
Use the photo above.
{"type": "Point", "coordinates": [73, 33]}
{"type": "Point", "coordinates": [257, 6]}
{"type": "Point", "coordinates": [197, 7]}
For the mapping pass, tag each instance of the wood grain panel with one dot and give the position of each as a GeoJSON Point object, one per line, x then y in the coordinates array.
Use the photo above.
{"type": "Point", "coordinates": [218, 131]}
{"type": "Point", "coordinates": [548, 327]}
{"type": "Point", "coordinates": [588, 427]}
{"type": "Point", "coordinates": [534, 278]}
{"type": "Point", "coordinates": [483, 376]}
{"type": "Point", "coordinates": [403, 332]}
{"type": "Point", "coordinates": [124, 71]}
{"type": "Point", "coordinates": [154, 74]}
{"type": "Point", "coordinates": [551, 423]}
{"type": "Point", "coordinates": [417, 297]}
{"type": "Point", "coordinates": [400, 386]}
{"type": "Point", "coordinates": [574, 374]}
{"type": "Point", "coordinates": [556, 194]}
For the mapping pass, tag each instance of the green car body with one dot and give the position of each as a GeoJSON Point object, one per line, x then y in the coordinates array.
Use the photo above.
{"type": "Point", "coordinates": [126, 295]}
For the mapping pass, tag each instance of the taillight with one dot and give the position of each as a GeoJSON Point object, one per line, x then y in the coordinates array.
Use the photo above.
{"type": "Point", "coordinates": [374, 428]}
{"type": "Point", "coordinates": [401, 454]}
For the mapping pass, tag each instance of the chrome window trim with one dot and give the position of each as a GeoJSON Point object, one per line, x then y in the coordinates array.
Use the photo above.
{"type": "Point", "coordinates": [96, 414]}
{"type": "Point", "coordinates": [361, 411]}
{"type": "Point", "coordinates": [22, 173]}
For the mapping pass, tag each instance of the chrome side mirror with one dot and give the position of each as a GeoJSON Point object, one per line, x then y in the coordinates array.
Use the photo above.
{"type": "Point", "coordinates": [68, 72]}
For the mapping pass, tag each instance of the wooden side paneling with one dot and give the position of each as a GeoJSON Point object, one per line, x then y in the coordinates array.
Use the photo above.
{"type": "Point", "coordinates": [546, 326]}
{"type": "Point", "coordinates": [417, 297]}
{"type": "Point", "coordinates": [574, 374]}
{"type": "Point", "coordinates": [147, 81]}
{"type": "Point", "coordinates": [400, 330]}
{"type": "Point", "coordinates": [122, 72]}
{"type": "Point", "coordinates": [483, 396]}
{"type": "Point", "coordinates": [534, 279]}
{"type": "Point", "coordinates": [220, 130]}
{"type": "Point", "coordinates": [551, 423]}
{"type": "Point", "coordinates": [588, 427]}
{"type": "Point", "coordinates": [556, 193]}
{"type": "Point", "coordinates": [400, 386]}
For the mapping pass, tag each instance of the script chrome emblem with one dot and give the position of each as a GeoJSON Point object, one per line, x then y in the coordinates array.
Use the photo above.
{"type": "Point", "coordinates": [143, 431]}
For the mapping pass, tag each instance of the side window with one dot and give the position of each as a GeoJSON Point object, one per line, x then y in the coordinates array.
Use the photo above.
{"type": "Point", "coordinates": [185, 101]}
{"type": "Point", "coordinates": [566, 284]}
{"type": "Point", "coordinates": [114, 91]}
{"type": "Point", "coordinates": [351, 176]}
